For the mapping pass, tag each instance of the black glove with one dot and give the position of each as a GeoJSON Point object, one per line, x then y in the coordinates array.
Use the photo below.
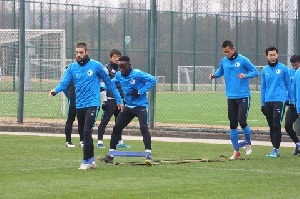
{"type": "Point", "coordinates": [287, 102]}
{"type": "Point", "coordinates": [135, 93]}
{"type": "Point", "coordinates": [263, 109]}
{"type": "Point", "coordinates": [101, 89]}
{"type": "Point", "coordinates": [104, 106]}
{"type": "Point", "coordinates": [293, 108]}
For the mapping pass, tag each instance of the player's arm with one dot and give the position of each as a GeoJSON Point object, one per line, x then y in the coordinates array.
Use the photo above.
{"type": "Point", "coordinates": [110, 85]}
{"type": "Point", "coordinates": [287, 80]}
{"type": "Point", "coordinates": [146, 77]}
{"type": "Point", "coordinates": [262, 88]}
{"type": "Point", "coordinates": [218, 73]}
{"type": "Point", "coordinates": [63, 84]}
{"type": "Point", "coordinates": [253, 72]}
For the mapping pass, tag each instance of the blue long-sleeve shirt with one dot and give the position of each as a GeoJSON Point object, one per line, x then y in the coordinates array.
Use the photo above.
{"type": "Point", "coordinates": [297, 90]}
{"type": "Point", "coordinates": [237, 88]}
{"type": "Point", "coordinates": [87, 83]}
{"type": "Point", "coordinates": [275, 84]}
{"type": "Point", "coordinates": [139, 80]}
{"type": "Point", "coordinates": [293, 86]}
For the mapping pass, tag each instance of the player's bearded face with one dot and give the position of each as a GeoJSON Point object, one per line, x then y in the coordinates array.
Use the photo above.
{"type": "Point", "coordinates": [80, 53]}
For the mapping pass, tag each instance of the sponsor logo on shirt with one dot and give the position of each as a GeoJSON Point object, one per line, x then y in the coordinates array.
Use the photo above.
{"type": "Point", "coordinates": [132, 81]}
{"type": "Point", "coordinates": [278, 71]}
{"type": "Point", "coordinates": [90, 72]}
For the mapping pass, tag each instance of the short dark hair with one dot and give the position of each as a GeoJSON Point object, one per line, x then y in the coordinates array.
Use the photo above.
{"type": "Point", "coordinates": [82, 45]}
{"type": "Point", "coordinates": [271, 48]}
{"type": "Point", "coordinates": [124, 58]}
{"type": "Point", "coordinates": [114, 52]}
{"type": "Point", "coordinates": [295, 58]}
{"type": "Point", "coordinates": [227, 43]}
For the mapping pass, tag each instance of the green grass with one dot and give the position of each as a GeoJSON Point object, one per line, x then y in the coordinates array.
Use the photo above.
{"type": "Point", "coordinates": [42, 167]}
{"type": "Point", "coordinates": [209, 108]}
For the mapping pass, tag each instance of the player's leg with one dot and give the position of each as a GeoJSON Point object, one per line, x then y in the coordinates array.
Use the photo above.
{"type": "Point", "coordinates": [120, 144]}
{"type": "Point", "coordinates": [243, 109]}
{"type": "Point", "coordinates": [233, 119]}
{"type": "Point", "coordinates": [269, 116]}
{"type": "Point", "coordinates": [290, 118]}
{"type": "Point", "coordinates": [110, 108]}
{"type": "Point", "coordinates": [278, 112]}
{"type": "Point", "coordinates": [69, 122]}
{"type": "Point", "coordinates": [89, 122]}
{"type": "Point", "coordinates": [142, 114]}
{"type": "Point", "coordinates": [123, 119]}
{"type": "Point", "coordinates": [80, 113]}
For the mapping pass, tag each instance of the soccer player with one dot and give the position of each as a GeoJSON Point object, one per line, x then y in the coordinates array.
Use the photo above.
{"type": "Point", "coordinates": [135, 84]}
{"type": "Point", "coordinates": [86, 74]}
{"type": "Point", "coordinates": [275, 85]}
{"type": "Point", "coordinates": [109, 105]}
{"type": "Point", "coordinates": [291, 114]}
{"type": "Point", "coordinates": [237, 71]}
{"type": "Point", "coordinates": [70, 93]}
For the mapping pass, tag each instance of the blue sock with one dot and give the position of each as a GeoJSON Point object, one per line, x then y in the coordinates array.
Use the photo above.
{"type": "Point", "coordinates": [234, 136]}
{"type": "Point", "coordinates": [247, 133]}
{"type": "Point", "coordinates": [85, 162]}
{"type": "Point", "coordinates": [91, 160]}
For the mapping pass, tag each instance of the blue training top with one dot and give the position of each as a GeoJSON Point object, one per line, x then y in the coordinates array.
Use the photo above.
{"type": "Point", "coordinates": [87, 83]}
{"type": "Point", "coordinates": [275, 84]}
{"type": "Point", "coordinates": [293, 84]}
{"type": "Point", "coordinates": [237, 88]}
{"type": "Point", "coordinates": [136, 79]}
{"type": "Point", "coordinates": [297, 90]}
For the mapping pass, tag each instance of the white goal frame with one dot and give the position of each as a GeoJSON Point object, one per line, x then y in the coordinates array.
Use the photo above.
{"type": "Point", "coordinates": [12, 35]}
{"type": "Point", "coordinates": [187, 70]}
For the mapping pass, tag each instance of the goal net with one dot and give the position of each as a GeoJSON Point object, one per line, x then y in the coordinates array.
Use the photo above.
{"type": "Point", "coordinates": [161, 83]}
{"type": "Point", "coordinates": [45, 60]}
{"type": "Point", "coordinates": [188, 76]}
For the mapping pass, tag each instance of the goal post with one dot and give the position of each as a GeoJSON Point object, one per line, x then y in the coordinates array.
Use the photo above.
{"type": "Point", "coordinates": [186, 75]}
{"type": "Point", "coordinates": [45, 59]}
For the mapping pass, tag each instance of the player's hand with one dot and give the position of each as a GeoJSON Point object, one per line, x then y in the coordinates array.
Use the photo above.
{"type": "Point", "coordinates": [287, 102]}
{"type": "Point", "coordinates": [52, 93]}
{"type": "Point", "coordinates": [120, 107]}
{"type": "Point", "coordinates": [211, 76]}
{"type": "Point", "coordinates": [263, 110]}
{"type": "Point", "coordinates": [135, 93]}
{"type": "Point", "coordinates": [241, 76]}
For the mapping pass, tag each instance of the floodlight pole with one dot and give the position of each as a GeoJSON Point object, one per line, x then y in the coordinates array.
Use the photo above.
{"type": "Point", "coordinates": [153, 28]}
{"type": "Point", "coordinates": [21, 62]}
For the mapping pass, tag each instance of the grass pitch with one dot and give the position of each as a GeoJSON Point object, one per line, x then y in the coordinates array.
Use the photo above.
{"type": "Point", "coordinates": [42, 167]}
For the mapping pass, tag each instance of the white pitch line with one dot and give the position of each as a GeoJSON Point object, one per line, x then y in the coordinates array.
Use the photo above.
{"type": "Point", "coordinates": [162, 139]}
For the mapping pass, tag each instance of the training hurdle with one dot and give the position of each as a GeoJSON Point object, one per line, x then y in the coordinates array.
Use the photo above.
{"type": "Point", "coordinates": [129, 153]}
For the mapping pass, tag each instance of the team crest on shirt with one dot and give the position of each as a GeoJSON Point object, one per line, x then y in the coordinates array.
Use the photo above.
{"type": "Point", "coordinates": [278, 71]}
{"type": "Point", "coordinates": [90, 72]}
{"type": "Point", "coordinates": [237, 64]}
{"type": "Point", "coordinates": [132, 81]}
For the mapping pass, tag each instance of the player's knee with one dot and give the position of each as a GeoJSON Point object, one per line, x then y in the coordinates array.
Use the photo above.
{"type": "Point", "coordinates": [243, 124]}
{"type": "Point", "coordinates": [288, 127]}
{"type": "Point", "coordinates": [233, 125]}
{"type": "Point", "coordinates": [144, 128]}
{"type": "Point", "coordinates": [276, 127]}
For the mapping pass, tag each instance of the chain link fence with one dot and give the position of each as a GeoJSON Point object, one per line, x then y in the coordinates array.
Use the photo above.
{"type": "Point", "coordinates": [188, 49]}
